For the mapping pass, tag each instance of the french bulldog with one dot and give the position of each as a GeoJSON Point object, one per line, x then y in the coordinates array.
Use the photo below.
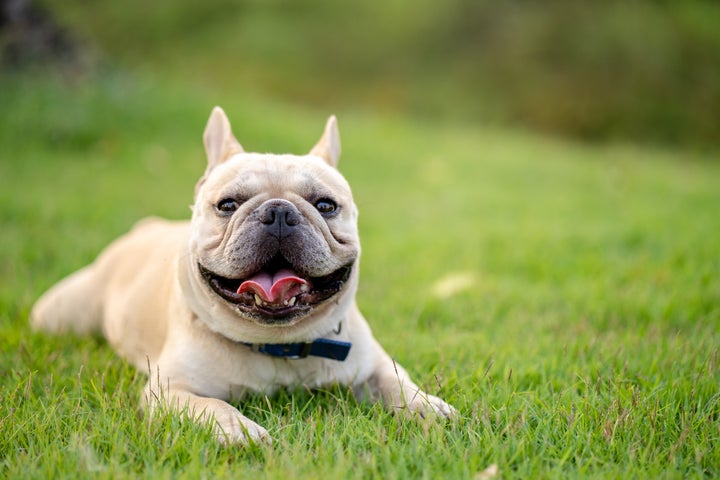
{"type": "Point", "coordinates": [255, 293]}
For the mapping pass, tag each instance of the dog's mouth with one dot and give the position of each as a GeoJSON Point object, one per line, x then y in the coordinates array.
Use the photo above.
{"type": "Point", "coordinates": [277, 293]}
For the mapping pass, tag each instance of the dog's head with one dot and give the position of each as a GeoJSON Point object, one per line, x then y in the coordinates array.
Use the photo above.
{"type": "Point", "coordinates": [273, 237]}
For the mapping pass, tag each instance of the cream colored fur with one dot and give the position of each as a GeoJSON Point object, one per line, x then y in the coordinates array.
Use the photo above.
{"type": "Point", "coordinates": [145, 294]}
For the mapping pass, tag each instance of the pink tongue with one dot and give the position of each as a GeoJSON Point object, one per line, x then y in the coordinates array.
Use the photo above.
{"type": "Point", "coordinates": [274, 288]}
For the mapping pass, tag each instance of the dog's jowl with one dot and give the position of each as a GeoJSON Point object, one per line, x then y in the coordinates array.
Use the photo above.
{"type": "Point", "coordinates": [256, 292]}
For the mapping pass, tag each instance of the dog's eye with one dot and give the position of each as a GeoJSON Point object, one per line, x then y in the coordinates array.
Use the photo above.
{"type": "Point", "coordinates": [227, 205]}
{"type": "Point", "coordinates": [325, 206]}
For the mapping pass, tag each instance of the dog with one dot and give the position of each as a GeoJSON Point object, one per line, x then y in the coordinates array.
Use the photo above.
{"type": "Point", "coordinates": [255, 293]}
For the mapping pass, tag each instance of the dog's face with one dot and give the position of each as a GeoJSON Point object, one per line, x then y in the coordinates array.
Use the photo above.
{"type": "Point", "coordinates": [273, 237]}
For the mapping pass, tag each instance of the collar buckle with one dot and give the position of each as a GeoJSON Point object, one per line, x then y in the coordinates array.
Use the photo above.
{"type": "Point", "coordinates": [305, 350]}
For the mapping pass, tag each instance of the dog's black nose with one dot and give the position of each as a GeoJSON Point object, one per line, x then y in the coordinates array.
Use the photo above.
{"type": "Point", "coordinates": [280, 217]}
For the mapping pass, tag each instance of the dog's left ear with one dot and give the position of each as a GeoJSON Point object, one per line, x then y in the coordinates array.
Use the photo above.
{"type": "Point", "coordinates": [328, 148]}
{"type": "Point", "coordinates": [220, 143]}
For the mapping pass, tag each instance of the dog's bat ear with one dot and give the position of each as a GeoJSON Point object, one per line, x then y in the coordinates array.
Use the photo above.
{"type": "Point", "coordinates": [328, 148]}
{"type": "Point", "coordinates": [220, 144]}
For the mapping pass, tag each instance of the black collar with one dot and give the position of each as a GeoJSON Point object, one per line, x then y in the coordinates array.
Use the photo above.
{"type": "Point", "coordinates": [321, 347]}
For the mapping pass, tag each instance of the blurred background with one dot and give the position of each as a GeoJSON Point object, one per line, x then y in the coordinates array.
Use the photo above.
{"type": "Point", "coordinates": [639, 71]}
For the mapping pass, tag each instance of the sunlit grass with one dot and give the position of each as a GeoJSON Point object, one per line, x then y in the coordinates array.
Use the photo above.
{"type": "Point", "coordinates": [581, 340]}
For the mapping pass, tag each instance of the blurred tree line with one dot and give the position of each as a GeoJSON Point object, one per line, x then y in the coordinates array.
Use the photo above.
{"type": "Point", "coordinates": [637, 69]}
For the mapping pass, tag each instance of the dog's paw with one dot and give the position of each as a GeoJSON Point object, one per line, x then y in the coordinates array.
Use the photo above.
{"type": "Point", "coordinates": [229, 426]}
{"type": "Point", "coordinates": [232, 427]}
{"type": "Point", "coordinates": [426, 406]}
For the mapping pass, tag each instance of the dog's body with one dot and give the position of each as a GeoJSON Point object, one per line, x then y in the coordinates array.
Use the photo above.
{"type": "Point", "coordinates": [269, 257]}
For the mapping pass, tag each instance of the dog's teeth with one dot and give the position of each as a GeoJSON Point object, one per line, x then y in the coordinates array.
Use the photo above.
{"type": "Point", "coordinates": [303, 288]}
{"type": "Point", "coordinates": [258, 300]}
{"type": "Point", "coordinates": [292, 301]}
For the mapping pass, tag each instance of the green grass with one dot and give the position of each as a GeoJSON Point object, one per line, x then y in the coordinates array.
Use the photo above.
{"type": "Point", "coordinates": [600, 71]}
{"type": "Point", "coordinates": [584, 343]}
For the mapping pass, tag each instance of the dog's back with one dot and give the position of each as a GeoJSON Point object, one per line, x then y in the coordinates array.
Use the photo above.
{"type": "Point", "coordinates": [111, 296]}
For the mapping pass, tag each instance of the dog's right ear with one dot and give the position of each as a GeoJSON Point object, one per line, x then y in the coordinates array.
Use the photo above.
{"type": "Point", "coordinates": [220, 144]}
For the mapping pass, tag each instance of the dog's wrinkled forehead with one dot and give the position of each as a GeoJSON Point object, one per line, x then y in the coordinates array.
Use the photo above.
{"type": "Point", "coordinates": [279, 176]}
{"type": "Point", "coordinates": [233, 172]}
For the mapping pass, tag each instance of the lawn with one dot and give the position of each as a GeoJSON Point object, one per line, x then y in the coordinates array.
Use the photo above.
{"type": "Point", "coordinates": [565, 297]}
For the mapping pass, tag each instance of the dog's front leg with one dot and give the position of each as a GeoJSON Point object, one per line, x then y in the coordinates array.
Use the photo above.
{"type": "Point", "coordinates": [391, 384]}
{"type": "Point", "coordinates": [229, 425]}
